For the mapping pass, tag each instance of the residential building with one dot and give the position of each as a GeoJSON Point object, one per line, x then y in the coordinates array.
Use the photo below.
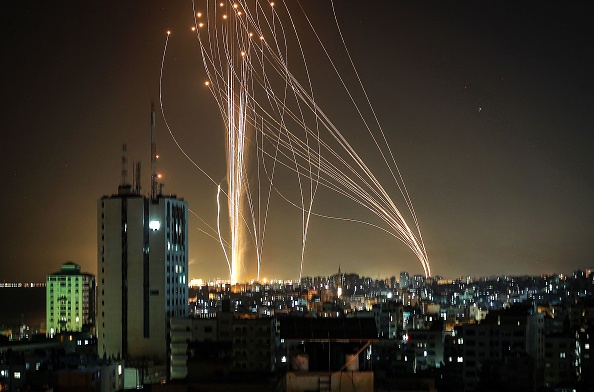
{"type": "Point", "coordinates": [142, 252]}
{"type": "Point", "coordinates": [70, 300]}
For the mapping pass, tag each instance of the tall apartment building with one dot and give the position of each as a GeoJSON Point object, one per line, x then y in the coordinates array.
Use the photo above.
{"type": "Point", "coordinates": [142, 273]}
{"type": "Point", "coordinates": [142, 253]}
{"type": "Point", "coordinates": [70, 299]}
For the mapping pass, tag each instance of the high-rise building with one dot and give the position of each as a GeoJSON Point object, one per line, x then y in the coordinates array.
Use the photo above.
{"type": "Point", "coordinates": [70, 299]}
{"type": "Point", "coordinates": [142, 273]}
{"type": "Point", "coordinates": [142, 254]}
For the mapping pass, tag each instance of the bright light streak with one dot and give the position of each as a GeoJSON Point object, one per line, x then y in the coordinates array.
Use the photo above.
{"type": "Point", "coordinates": [271, 119]}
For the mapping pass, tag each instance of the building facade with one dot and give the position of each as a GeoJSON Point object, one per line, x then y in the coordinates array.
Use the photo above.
{"type": "Point", "coordinates": [70, 300]}
{"type": "Point", "coordinates": [142, 273]}
{"type": "Point", "coordinates": [507, 345]}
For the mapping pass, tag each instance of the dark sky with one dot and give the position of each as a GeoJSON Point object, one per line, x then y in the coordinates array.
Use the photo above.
{"type": "Point", "coordinates": [487, 106]}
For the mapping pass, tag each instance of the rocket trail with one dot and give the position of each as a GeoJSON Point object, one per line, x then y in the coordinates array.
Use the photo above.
{"type": "Point", "coordinates": [272, 120]}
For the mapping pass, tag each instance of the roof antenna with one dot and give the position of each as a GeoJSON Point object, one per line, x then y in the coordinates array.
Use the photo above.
{"type": "Point", "coordinates": [124, 187]}
{"type": "Point", "coordinates": [153, 154]}
{"type": "Point", "coordinates": [137, 178]}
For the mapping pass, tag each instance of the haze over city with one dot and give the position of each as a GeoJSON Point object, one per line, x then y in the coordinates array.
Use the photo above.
{"type": "Point", "coordinates": [486, 107]}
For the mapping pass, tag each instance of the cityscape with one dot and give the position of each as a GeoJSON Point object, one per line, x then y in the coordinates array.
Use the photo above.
{"type": "Point", "coordinates": [257, 232]}
{"type": "Point", "coordinates": [402, 333]}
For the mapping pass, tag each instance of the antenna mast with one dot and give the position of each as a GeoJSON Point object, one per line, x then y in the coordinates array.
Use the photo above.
{"type": "Point", "coordinates": [137, 179]}
{"type": "Point", "coordinates": [124, 175]}
{"type": "Point", "coordinates": [153, 154]}
{"type": "Point", "coordinates": [124, 187]}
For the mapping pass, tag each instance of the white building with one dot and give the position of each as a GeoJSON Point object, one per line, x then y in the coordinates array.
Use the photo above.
{"type": "Point", "coordinates": [142, 273]}
{"type": "Point", "coordinates": [70, 298]}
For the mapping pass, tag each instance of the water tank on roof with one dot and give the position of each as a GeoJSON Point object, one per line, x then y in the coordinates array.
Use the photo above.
{"type": "Point", "coordinates": [352, 362]}
{"type": "Point", "coordinates": [300, 362]}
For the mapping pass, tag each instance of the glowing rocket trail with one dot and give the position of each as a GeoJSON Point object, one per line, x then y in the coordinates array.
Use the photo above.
{"type": "Point", "coordinates": [272, 119]}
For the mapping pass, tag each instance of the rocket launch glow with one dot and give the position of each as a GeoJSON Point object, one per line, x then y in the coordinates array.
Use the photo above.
{"type": "Point", "coordinates": [272, 119]}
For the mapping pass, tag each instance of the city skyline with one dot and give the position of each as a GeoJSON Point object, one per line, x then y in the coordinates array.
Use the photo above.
{"type": "Point", "coordinates": [485, 107]}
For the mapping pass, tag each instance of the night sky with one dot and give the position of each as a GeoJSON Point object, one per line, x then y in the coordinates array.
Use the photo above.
{"type": "Point", "coordinates": [487, 105]}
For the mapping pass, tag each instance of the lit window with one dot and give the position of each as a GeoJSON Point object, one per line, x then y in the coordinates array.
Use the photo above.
{"type": "Point", "coordinates": [17, 375]}
{"type": "Point", "coordinates": [119, 369]}
{"type": "Point", "coordinates": [587, 346]}
{"type": "Point", "coordinates": [154, 225]}
{"type": "Point", "coordinates": [561, 355]}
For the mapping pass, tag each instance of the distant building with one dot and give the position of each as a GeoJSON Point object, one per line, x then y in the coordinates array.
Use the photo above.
{"type": "Point", "coordinates": [388, 319]}
{"type": "Point", "coordinates": [70, 300]}
{"type": "Point", "coordinates": [508, 345]}
{"type": "Point", "coordinates": [585, 339]}
{"type": "Point", "coordinates": [561, 355]}
{"type": "Point", "coordinates": [426, 346]}
{"type": "Point", "coordinates": [404, 280]}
